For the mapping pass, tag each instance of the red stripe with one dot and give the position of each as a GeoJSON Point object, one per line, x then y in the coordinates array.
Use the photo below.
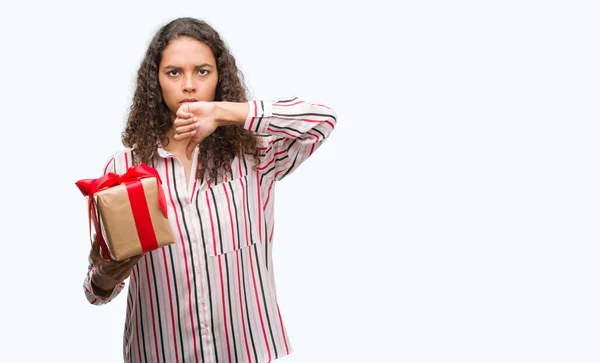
{"type": "Point", "coordinates": [269, 163]}
{"type": "Point", "coordinates": [242, 307]}
{"type": "Point", "coordinates": [259, 208]}
{"type": "Point", "coordinates": [291, 104]}
{"type": "Point", "coordinates": [252, 120]}
{"type": "Point", "coordinates": [272, 229]}
{"type": "Point", "coordinates": [108, 164]}
{"type": "Point", "coordinates": [230, 218]}
{"type": "Point", "coordinates": [276, 174]}
{"type": "Point", "coordinates": [151, 307]}
{"type": "Point", "coordinates": [187, 273]}
{"type": "Point", "coordinates": [258, 305]}
{"type": "Point", "coordinates": [171, 304]}
{"type": "Point", "coordinates": [169, 287]}
{"type": "Point", "coordinates": [280, 131]}
{"type": "Point", "coordinates": [313, 135]}
{"type": "Point", "coordinates": [137, 318]}
{"type": "Point", "coordinates": [287, 350]}
{"type": "Point", "coordinates": [141, 215]}
{"type": "Point", "coordinates": [244, 207]}
{"type": "Point", "coordinates": [224, 309]}
{"type": "Point", "coordinates": [268, 194]}
{"type": "Point", "coordinates": [312, 149]}
{"type": "Point", "coordinates": [212, 225]}
{"type": "Point", "coordinates": [193, 190]}
{"type": "Point", "coordinates": [318, 104]}
{"type": "Point", "coordinates": [195, 181]}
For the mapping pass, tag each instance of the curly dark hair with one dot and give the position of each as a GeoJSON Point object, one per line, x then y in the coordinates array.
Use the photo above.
{"type": "Point", "coordinates": [149, 117]}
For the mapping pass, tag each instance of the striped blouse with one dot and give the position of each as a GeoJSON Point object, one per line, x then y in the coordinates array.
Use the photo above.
{"type": "Point", "coordinates": [211, 296]}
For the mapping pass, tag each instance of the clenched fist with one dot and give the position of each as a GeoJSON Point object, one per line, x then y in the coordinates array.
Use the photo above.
{"type": "Point", "coordinates": [196, 121]}
{"type": "Point", "coordinates": [108, 274]}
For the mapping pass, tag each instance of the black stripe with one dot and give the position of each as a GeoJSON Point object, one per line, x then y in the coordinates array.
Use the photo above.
{"type": "Point", "coordinates": [319, 132]}
{"type": "Point", "coordinates": [248, 210]}
{"type": "Point", "coordinates": [130, 299]}
{"type": "Point", "coordinates": [131, 158]}
{"type": "Point", "coordinates": [175, 281]}
{"type": "Point", "coordinates": [191, 250]}
{"type": "Point", "coordinates": [304, 114]}
{"type": "Point", "coordinates": [203, 244]}
{"type": "Point", "coordinates": [286, 128]}
{"type": "Point", "coordinates": [218, 220]}
{"type": "Point", "coordinates": [246, 302]}
{"type": "Point", "coordinates": [160, 329]}
{"type": "Point", "coordinates": [266, 243]}
{"type": "Point", "coordinates": [245, 166]}
{"type": "Point", "coordinates": [272, 168]}
{"type": "Point", "coordinates": [139, 294]}
{"type": "Point", "coordinates": [264, 298]}
{"type": "Point", "coordinates": [290, 100]}
{"type": "Point", "coordinates": [237, 222]}
{"type": "Point", "coordinates": [262, 110]}
{"type": "Point", "coordinates": [282, 158]}
{"type": "Point", "coordinates": [280, 139]}
{"type": "Point", "coordinates": [290, 168]}
{"type": "Point", "coordinates": [230, 309]}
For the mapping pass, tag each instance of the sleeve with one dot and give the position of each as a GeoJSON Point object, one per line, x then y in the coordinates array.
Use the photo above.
{"type": "Point", "coordinates": [89, 292]}
{"type": "Point", "coordinates": [296, 129]}
{"type": "Point", "coordinates": [113, 165]}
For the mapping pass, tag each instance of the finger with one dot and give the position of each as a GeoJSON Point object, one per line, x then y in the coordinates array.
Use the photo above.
{"type": "Point", "coordinates": [184, 135]}
{"type": "Point", "coordinates": [184, 111]}
{"type": "Point", "coordinates": [184, 121]}
{"type": "Point", "coordinates": [185, 129]}
{"type": "Point", "coordinates": [184, 115]}
{"type": "Point", "coordinates": [95, 252]}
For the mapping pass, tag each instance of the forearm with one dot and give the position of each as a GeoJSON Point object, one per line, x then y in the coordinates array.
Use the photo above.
{"type": "Point", "coordinates": [231, 113]}
{"type": "Point", "coordinates": [293, 119]}
{"type": "Point", "coordinates": [100, 288]}
{"type": "Point", "coordinates": [94, 293]}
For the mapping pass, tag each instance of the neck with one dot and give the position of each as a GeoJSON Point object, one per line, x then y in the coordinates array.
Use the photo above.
{"type": "Point", "coordinates": [176, 147]}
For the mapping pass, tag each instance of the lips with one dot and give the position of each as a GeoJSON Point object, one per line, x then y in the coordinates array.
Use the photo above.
{"type": "Point", "coordinates": [188, 100]}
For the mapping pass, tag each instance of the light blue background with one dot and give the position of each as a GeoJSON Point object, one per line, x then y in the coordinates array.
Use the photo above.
{"type": "Point", "coordinates": [451, 217]}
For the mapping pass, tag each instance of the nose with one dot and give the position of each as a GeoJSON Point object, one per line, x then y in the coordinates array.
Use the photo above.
{"type": "Point", "coordinates": [188, 85]}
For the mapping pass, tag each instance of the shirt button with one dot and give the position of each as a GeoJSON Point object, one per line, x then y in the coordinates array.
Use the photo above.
{"type": "Point", "coordinates": [204, 331]}
{"type": "Point", "coordinates": [202, 302]}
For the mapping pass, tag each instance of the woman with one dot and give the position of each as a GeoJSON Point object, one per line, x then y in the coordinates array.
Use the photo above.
{"type": "Point", "coordinates": [210, 297]}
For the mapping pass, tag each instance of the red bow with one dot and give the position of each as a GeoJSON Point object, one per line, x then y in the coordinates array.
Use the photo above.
{"type": "Point", "coordinates": [89, 187]}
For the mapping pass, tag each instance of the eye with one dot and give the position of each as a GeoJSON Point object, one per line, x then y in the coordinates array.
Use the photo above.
{"type": "Point", "coordinates": [172, 73]}
{"type": "Point", "coordinates": [203, 72]}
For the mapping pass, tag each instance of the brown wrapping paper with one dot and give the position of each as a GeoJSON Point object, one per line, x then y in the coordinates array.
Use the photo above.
{"type": "Point", "coordinates": [117, 223]}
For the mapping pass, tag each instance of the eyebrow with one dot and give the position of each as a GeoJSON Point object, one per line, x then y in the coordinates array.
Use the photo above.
{"type": "Point", "coordinates": [196, 67]}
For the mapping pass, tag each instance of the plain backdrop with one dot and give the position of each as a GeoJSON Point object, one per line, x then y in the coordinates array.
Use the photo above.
{"type": "Point", "coordinates": [451, 217]}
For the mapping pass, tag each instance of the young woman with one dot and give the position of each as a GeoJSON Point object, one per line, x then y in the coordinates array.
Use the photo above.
{"type": "Point", "coordinates": [210, 297]}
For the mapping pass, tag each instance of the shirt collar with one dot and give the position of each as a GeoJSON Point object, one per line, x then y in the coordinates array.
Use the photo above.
{"type": "Point", "coordinates": [165, 154]}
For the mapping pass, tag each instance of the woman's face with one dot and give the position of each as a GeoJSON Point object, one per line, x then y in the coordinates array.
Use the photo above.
{"type": "Point", "coordinates": [187, 73]}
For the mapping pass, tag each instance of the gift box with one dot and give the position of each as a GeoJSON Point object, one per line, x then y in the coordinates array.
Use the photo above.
{"type": "Point", "coordinates": [128, 212]}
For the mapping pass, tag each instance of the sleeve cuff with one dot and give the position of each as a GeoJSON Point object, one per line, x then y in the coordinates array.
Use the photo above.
{"type": "Point", "coordinates": [259, 113]}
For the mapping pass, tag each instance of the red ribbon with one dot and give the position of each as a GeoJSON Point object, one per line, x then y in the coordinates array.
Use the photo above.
{"type": "Point", "coordinates": [137, 198]}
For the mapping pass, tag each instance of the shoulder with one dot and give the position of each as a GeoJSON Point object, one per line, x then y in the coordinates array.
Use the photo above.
{"type": "Point", "coordinates": [119, 161]}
